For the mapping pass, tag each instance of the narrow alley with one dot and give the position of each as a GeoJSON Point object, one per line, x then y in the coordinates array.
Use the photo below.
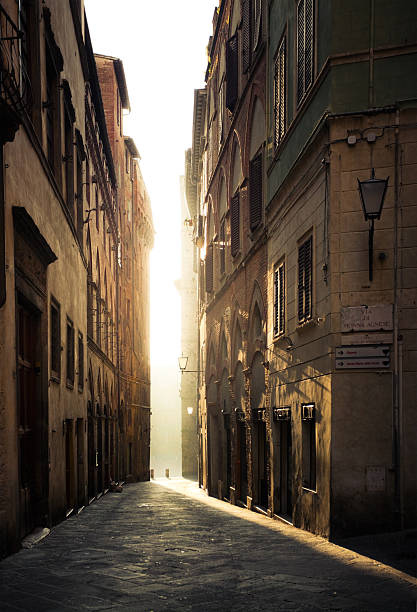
{"type": "Point", "coordinates": [165, 545]}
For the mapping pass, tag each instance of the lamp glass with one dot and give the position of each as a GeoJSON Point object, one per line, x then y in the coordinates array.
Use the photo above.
{"type": "Point", "coordinates": [190, 410]}
{"type": "Point", "coordinates": [182, 362]}
{"type": "Point", "coordinates": [372, 192]}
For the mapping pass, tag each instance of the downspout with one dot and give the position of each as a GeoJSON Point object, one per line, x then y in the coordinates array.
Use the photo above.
{"type": "Point", "coordinates": [118, 343]}
{"type": "Point", "coordinates": [371, 54]}
{"type": "Point", "coordinates": [396, 442]}
{"type": "Point", "coordinates": [2, 233]}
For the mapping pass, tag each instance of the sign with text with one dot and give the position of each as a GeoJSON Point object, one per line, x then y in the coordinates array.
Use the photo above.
{"type": "Point", "coordinates": [362, 351]}
{"type": "Point", "coordinates": [367, 318]}
{"type": "Point", "coordinates": [363, 364]}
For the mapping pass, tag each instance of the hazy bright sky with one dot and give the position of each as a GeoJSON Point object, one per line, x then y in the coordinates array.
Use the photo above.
{"type": "Point", "coordinates": [162, 44]}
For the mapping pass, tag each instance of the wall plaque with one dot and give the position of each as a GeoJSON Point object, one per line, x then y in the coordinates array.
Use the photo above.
{"type": "Point", "coordinates": [367, 318]}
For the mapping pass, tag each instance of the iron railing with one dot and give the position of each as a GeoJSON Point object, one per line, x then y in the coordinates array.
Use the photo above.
{"type": "Point", "coordinates": [15, 88]}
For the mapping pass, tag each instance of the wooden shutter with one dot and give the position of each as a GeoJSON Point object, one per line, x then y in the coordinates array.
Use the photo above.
{"type": "Point", "coordinates": [276, 302]}
{"type": "Point", "coordinates": [234, 225]}
{"type": "Point", "coordinates": [246, 34]}
{"type": "Point", "coordinates": [209, 268]}
{"type": "Point", "coordinates": [280, 91]}
{"type": "Point", "coordinates": [279, 300]}
{"type": "Point", "coordinates": [305, 280]}
{"type": "Point", "coordinates": [309, 33]}
{"type": "Point", "coordinates": [305, 46]}
{"type": "Point", "coordinates": [231, 72]}
{"type": "Point", "coordinates": [300, 49]}
{"type": "Point", "coordinates": [255, 191]}
{"type": "Point", "coordinates": [257, 18]}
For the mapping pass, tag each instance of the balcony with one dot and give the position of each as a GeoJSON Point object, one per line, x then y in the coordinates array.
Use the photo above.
{"type": "Point", "coordinates": [15, 90]}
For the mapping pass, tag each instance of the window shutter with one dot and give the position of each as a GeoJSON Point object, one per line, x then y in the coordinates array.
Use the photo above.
{"type": "Point", "coordinates": [279, 300]}
{"type": "Point", "coordinates": [305, 280]}
{"type": "Point", "coordinates": [309, 26]}
{"type": "Point", "coordinates": [257, 17]}
{"type": "Point", "coordinates": [305, 46]}
{"type": "Point", "coordinates": [280, 93]}
{"type": "Point", "coordinates": [246, 34]}
{"type": "Point", "coordinates": [301, 283]}
{"type": "Point", "coordinates": [281, 322]}
{"type": "Point", "coordinates": [255, 191]}
{"type": "Point", "coordinates": [276, 302]}
{"type": "Point", "coordinates": [231, 72]}
{"type": "Point", "coordinates": [234, 225]}
{"type": "Point", "coordinates": [209, 269]}
{"type": "Point", "coordinates": [300, 49]}
{"type": "Point", "coordinates": [308, 278]}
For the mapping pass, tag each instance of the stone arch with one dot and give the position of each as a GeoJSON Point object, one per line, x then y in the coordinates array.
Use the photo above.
{"type": "Point", "coordinates": [257, 322]}
{"type": "Point", "coordinates": [211, 224]}
{"type": "Point", "coordinates": [236, 171]}
{"type": "Point", "coordinates": [257, 388]}
{"type": "Point", "coordinates": [211, 361]}
{"type": "Point", "coordinates": [237, 329]}
{"type": "Point", "coordinates": [256, 132]}
{"type": "Point", "coordinates": [222, 196]}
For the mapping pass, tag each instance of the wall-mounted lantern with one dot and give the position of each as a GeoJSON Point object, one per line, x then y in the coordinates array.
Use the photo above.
{"type": "Point", "coordinates": [372, 192]}
{"type": "Point", "coordinates": [182, 362]}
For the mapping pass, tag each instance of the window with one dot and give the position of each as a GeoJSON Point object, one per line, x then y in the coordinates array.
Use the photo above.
{"type": "Point", "coordinates": [80, 195]}
{"type": "Point", "coordinates": [305, 46]}
{"type": "Point", "coordinates": [127, 161]}
{"type": "Point", "coordinates": [279, 300]}
{"type": "Point", "coordinates": [235, 225]}
{"type": "Point", "coordinates": [55, 337]}
{"type": "Point", "coordinates": [51, 105]}
{"type": "Point", "coordinates": [255, 191]}
{"type": "Point", "coordinates": [232, 77]}
{"type": "Point", "coordinates": [69, 119]}
{"type": "Point", "coordinates": [305, 252]}
{"type": "Point", "coordinates": [70, 353]}
{"type": "Point", "coordinates": [51, 110]}
{"type": "Point", "coordinates": [222, 247]}
{"type": "Point", "coordinates": [80, 361]}
{"type": "Point", "coordinates": [220, 114]}
{"type": "Point", "coordinates": [309, 446]}
{"type": "Point", "coordinates": [209, 268]}
{"type": "Point", "coordinates": [251, 30]}
{"type": "Point", "coordinates": [280, 93]}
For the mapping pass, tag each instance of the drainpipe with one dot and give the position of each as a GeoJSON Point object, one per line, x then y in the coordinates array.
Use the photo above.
{"type": "Point", "coordinates": [397, 383]}
{"type": "Point", "coordinates": [371, 54]}
{"type": "Point", "coordinates": [2, 233]}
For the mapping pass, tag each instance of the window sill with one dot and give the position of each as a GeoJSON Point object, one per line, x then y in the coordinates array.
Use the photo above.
{"type": "Point", "coordinates": [70, 385]}
{"type": "Point", "coordinates": [312, 322]}
{"type": "Point", "coordinates": [55, 378]}
{"type": "Point", "coordinates": [80, 389]}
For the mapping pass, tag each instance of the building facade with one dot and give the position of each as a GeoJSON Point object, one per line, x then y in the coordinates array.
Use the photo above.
{"type": "Point", "coordinates": [60, 273]}
{"type": "Point", "coordinates": [307, 311]}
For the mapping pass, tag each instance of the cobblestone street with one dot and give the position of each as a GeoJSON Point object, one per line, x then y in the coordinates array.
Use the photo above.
{"type": "Point", "coordinates": [166, 546]}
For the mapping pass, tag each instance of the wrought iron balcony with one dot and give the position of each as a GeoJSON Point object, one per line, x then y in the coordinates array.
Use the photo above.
{"type": "Point", "coordinates": [15, 89]}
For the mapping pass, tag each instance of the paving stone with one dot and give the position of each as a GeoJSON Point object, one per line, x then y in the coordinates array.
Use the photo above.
{"type": "Point", "coordinates": [165, 545]}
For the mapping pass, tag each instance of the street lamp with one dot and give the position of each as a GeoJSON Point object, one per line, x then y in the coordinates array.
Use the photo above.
{"type": "Point", "coordinates": [372, 192]}
{"type": "Point", "coordinates": [182, 362]}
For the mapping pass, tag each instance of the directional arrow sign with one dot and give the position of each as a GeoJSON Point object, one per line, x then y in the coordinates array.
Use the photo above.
{"type": "Point", "coordinates": [362, 364]}
{"type": "Point", "coordinates": [381, 350]}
